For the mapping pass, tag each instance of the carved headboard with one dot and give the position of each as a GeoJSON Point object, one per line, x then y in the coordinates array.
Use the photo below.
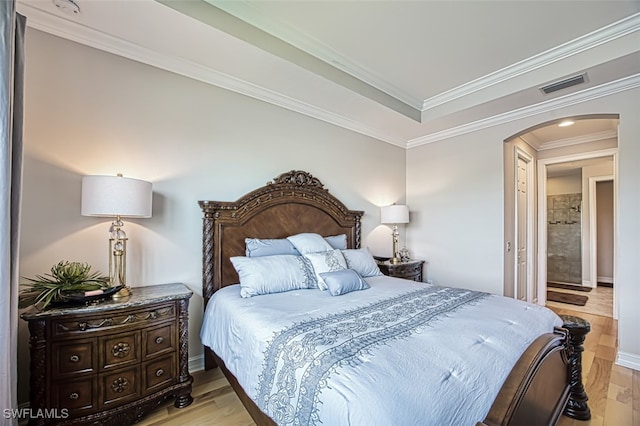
{"type": "Point", "coordinates": [292, 203]}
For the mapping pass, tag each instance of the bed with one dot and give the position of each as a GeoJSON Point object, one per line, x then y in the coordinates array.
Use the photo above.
{"type": "Point", "coordinates": [398, 352]}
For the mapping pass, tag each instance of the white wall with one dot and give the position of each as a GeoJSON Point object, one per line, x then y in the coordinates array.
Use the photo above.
{"type": "Point", "coordinates": [456, 188]}
{"type": "Point", "coordinates": [560, 185]}
{"type": "Point", "coordinates": [90, 112]}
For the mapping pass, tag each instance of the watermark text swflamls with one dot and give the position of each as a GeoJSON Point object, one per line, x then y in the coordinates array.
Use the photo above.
{"type": "Point", "coordinates": [40, 413]}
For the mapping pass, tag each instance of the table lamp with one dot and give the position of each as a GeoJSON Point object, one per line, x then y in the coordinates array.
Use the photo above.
{"type": "Point", "coordinates": [117, 197]}
{"type": "Point", "coordinates": [394, 215]}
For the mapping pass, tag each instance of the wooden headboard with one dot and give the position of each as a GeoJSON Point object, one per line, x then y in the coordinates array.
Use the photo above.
{"type": "Point", "coordinates": [292, 203]}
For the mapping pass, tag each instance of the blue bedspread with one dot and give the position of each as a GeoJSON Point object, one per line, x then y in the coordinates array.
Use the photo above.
{"type": "Point", "coordinates": [399, 353]}
{"type": "Point", "coordinates": [300, 359]}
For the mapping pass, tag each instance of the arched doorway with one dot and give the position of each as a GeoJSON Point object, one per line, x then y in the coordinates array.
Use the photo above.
{"type": "Point", "coordinates": [549, 147]}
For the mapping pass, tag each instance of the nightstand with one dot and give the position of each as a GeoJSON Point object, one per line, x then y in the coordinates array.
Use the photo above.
{"type": "Point", "coordinates": [112, 362]}
{"type": "Point", "coordinates": [410, 270]}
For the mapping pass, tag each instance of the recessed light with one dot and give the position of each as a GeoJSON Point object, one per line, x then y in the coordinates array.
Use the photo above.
{"type": "Point", "coordinates": [566, 123]}
{"type": "Point", "coordinates": [67, 6]}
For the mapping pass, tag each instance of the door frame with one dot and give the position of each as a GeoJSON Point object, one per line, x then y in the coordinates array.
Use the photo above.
{"type": "Point", "coordinates": [519, 153]}
{"type": "Point", "coordinates": [593, 228]}
{"type": "Point", "coordinates": [542, 216]}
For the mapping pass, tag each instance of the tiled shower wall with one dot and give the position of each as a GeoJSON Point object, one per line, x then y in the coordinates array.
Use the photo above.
{"type": "Point", "coordinates": [564, 242]}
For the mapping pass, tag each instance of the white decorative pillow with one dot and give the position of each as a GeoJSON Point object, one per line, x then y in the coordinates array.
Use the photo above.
{"type": "Point", "coordinates": [309, 243]}
{"type": "Point", "coordinates": [328, 261]}
{"type": "Point", "coordinates": [343, 281]}
{"type": "Point", "coordinates": [362, 262]}
{"type": "Point", "coordinates": [273, 274]}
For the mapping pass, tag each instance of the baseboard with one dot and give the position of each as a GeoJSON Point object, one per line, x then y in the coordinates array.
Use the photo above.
{"type": "Point", "coordinates": [608, 280]}
{"type": "Point", "coordinates": [628, 360]}
{"type": "Point", "coordinates": [196, 363]}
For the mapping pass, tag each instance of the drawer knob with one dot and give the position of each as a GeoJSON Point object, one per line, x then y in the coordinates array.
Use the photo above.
{"type": "Point", "coordinates": [74, 396]}
{"type": "Point", "coordinates": [159, 339]}
{"type": "Point", "coordinates": [160, 372]}
{"type": "Point", "coordinates": [121, 350]}
{"type": "Point", "coordinates": [120, 384]}
{"type": "Point", "coordinates": [74, 358]}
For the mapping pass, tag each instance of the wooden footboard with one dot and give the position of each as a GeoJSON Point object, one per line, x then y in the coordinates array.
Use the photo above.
{"type": "Point", "coordinates": [540, 386]}
{"type": "Point", "coordinates": [537, 389]}
{"type": "Point", "coordinates": [546, 381]}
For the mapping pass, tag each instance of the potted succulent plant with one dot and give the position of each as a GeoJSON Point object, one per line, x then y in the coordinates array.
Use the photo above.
{"type": "Point", "coordinates": [65, 280]}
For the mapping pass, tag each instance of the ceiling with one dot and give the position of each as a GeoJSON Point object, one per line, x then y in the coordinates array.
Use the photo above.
{"type": "Point", "coordinates": [405, 72]}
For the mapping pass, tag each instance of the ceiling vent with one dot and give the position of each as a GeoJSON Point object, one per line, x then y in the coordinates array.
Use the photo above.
{"type": "Point", "coordinates": [563, 84]}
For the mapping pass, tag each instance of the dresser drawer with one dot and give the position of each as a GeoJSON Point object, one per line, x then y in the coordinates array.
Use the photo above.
{"type": "Point", "coordinates": [113, 362]}
{"type": "Point", "coordinates": [120, 386]}
{"type": "Point", "coordinates": [76, 395]}
{"type": "Point", "coordinates": [158, 341]}
{"type": "Point", "coordinates": [159, 373]}
{"type": "Point", "coordinates": [119, 350]}
{"type": "Point", "coordinates": [74, 358]}
{"type": "Point", "coordinates": [410, 270]}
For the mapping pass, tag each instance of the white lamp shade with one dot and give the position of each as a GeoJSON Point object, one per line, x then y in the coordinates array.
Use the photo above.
{"type": "Point", "coordinates": [116, 196]}
{"type": "Point", "coordinates": [394, 214]}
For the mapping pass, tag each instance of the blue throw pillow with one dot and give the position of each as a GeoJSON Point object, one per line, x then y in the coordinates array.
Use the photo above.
{"type": "Point", "coordinates": [362, 262]}
{"type": "Point", "coordinates": [343, 281]}
{"type": "Point", "coordinates": [258, 247]}
{"type": "Point", "coordinates": [273, 274]}
{"type": "Point", "coordinates": [337, 241]}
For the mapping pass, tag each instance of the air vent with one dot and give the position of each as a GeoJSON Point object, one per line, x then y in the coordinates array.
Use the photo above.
{"type": "Point", "coordinates": [563, 84]}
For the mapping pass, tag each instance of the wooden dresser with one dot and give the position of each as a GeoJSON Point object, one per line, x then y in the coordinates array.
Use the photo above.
{"type": "Point", "coordinates": [410, 270]}
{"type": "Point", "coordinates": [112, 362]}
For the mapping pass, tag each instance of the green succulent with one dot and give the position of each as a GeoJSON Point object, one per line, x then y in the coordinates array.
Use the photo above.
{"type": "Point", "coordinates": [66, 278]}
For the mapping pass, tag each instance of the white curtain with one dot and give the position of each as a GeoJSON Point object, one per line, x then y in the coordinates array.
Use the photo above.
{"type": "Point", "coordinates": [12, 27]}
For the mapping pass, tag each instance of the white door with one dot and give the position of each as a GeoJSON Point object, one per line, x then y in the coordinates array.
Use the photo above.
{"type": "Point", "coordinates": [522, 207]}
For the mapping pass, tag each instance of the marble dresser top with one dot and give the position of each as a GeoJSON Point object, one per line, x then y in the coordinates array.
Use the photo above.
{"type": "Point", "coordinates": [139, 296]}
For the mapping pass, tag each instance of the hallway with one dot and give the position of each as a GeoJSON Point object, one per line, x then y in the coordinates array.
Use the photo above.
{"type": "Point", "coordinates": [600, 301]}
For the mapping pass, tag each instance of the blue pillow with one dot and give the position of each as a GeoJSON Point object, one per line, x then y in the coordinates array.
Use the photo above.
{"type": "Point", "coordinates": [343, 281]}
{"type": "Point", "coordinates": [337, 241]}
{"type": "Point", "coordinates": [362, 262]}
{"type": "Point", "coordinates": [273, 274]}
{"type": "Point", "coordinates": [257, 247]}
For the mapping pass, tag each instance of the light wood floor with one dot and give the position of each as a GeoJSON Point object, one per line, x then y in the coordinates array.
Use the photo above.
{"type": "Point", "coordinates": [600, 301]}
{"type": "Point", "coordinates": [614, 391]}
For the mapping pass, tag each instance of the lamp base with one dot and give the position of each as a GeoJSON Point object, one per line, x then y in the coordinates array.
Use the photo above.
{"type": "Point", "coordinates": [125, 292]}
{"type": "Point", "coordinates": [393, 260]}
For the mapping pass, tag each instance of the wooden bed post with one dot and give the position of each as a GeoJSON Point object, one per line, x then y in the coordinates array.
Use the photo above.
{"type": "Point", "coordinates": [208, 287]}
{"type": "Point", "coordinates": [578, 328]}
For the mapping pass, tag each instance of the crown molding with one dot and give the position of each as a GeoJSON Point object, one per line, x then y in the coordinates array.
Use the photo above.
{"type": "Point", "coordinates": [255, 15]}
{"type": "Point", "coordinates": [592, 137]}
{"type": "Point", "coordinates": [585, 95]}
{"type": "Point", "coordinates": [76, 32]}
{"type": "Point", "coordinates": [598, 37]}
